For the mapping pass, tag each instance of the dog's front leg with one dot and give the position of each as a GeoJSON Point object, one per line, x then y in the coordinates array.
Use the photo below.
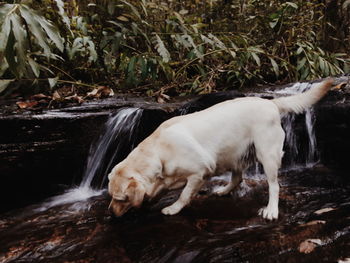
{"type": "Point", "coordinates": [194, 183]}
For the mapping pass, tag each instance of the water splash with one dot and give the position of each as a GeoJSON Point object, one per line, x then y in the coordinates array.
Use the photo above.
{"type": "Point", "coordinates": [77, 195]}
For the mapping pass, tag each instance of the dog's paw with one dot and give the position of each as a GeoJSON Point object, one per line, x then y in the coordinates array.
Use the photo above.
{"type": "Point", "coordinates": [171, 210]}
{"type": "Point", "coordinates": [268, 213]}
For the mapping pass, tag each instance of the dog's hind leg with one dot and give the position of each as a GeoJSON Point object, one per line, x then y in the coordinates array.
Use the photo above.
{"type": "Point", "coordinates": [194, 183]}
{"type": "Point", "coordinates": [269, 153]}
{"type": "Point", "coordinates": [236, 179]}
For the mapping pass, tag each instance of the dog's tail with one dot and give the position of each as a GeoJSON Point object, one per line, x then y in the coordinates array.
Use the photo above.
{"type": "Point", "coordinates": [300, 102]}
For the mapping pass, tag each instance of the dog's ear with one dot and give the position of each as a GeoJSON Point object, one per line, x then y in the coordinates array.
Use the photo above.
{"type": "Point", "coordinates": [135, 192]}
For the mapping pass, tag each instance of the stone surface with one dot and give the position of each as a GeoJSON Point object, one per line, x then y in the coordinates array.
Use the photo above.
{"type": "Point", "coordinates": [211, 229]}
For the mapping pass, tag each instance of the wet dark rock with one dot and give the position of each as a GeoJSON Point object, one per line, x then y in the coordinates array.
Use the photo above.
{"type": "Point", "coordinates": [211, 229]}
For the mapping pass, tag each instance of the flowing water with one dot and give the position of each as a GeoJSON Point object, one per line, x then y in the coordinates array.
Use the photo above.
{"type": "Point", "coordinates": [77, 227]}
{"type": "Point", "coordinates": [105, 152]}
{"type": "Point", "coordinates": [288, 123]}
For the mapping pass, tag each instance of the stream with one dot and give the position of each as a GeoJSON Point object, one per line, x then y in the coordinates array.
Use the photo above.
{"type": "Point", "coordinates": [77, 227]}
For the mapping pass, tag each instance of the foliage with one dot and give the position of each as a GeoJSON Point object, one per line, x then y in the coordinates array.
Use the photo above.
{"type": "Point", "coordinates": [174, 46]}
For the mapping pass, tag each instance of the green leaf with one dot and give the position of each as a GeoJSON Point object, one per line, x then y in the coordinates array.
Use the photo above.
{"type": "Point", "coordinates": [52, 82]}
{"type": "Point", "coordinates": [134, 10]}
{"type": "Point", "coordinates": [4, 10]}
{"type": "Point", "coordinates": [322, 64]}
{"type": "Point", "coordinates": [4, 34]}
{"type": "Point", "coordinates": [161, 49]}
{"type": "Point", "coordinates": [144, 68]}
{"type": "Point", "coordinates": [273, 23]}
{"type": "Point", "coordinates": [295, 6]}
{"type": "Point", "coordinates": [10, 54]}
{"type": "Point", "coordinates": [256, 58]}
{"type": "Point", "coordinates": [301, 63]}
{"type": "Point", "coordinates": [123, 18]}
{"type": "Point", "coordinates": [51, 31]}
{"type": "Point", "coordinates": [36, 30]}
{"type": "Point", "coordinates": [21, 44]}
{"type": "Point", "coordinates": [299, 50]}
{"type": "Point", "coordinates": [4, 84]}
{"type": "Point", "coordinates": [131, 65]}
{"type": "Point", "coordinates": [62, 13]}
{"type": "Point", "coordinates": [275, 67]}
{"type": "Point", "coordinates": [34, 66]}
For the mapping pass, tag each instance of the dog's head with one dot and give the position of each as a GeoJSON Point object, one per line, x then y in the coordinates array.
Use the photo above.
{"type": "Point", "coordinates": [126, 192]}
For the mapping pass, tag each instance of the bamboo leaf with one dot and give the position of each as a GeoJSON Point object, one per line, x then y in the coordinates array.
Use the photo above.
{"type": "Point", "coordinates": [131, 66]}
{"type": "Point", "coordinates": [161, 49]}
{"type": "Point", "coordinates": [291, 4]}
{"type": "Point", "coordinates": [62, 13]}
{"type": "Point", "coordinates": [256, 58]}
{"type": "Point", "coordinates": [275, 67]}
{"type": "Point", "coordinates": [20, 47]}
{"type": "Point", "coordinates": [123, 18]}
{"type": "Point", "coordinates": [218, 43]}
{"type": "Point", "coordinates": [52, 82]}
{"type": "Point", "coordinates": [34, 66]}
{"type": "Point", "coordinates": [4, 34]}
{"type": "Point", "coordinates": [51, 31]}
{"type": "Point", "coordinates": [134, 10]}
{"type": "Point", "coordinates": [299, 50]}
{"type": "Point", "coordinates": [10, 54]}
{"type": "Point", "coordinates": [301, 63]}
{"type": "Point", "coordinates": [4, 84]}
{"type": "Point", "coordinates": [36, 30]}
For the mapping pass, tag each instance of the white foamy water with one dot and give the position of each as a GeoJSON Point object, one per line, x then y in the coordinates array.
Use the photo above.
{"type": "Point", "coordinates": [77, 195]}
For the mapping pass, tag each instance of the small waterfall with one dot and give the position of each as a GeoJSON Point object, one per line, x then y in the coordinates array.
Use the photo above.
{"type": "Point", "coordinates": [288, 123]}
{"type": "Point", "coordinates": [119, 135]}
{"type": "Point", "coordinates": [114, 143]}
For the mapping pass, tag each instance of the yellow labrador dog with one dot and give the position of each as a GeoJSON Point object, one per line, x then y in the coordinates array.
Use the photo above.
{"type": "Point", "coordinates": [186, 150]}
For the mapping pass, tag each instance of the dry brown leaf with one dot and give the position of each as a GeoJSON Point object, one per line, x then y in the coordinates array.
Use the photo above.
{"type": "Point", "coordinates": [26, 104]}
{"type": "Point", "coordinates": [75, 97]}
{"type": "Point", "coordinates": [314, 222]}
{"type": "Point", "coordinates": [101, 91]}
{"type": "Point", "coordinates": [309, 245]}
{"type": "Point", "coordinates": [324, 210]}
{"type": "Point", "coordinates": [39, 96]}
{"type": "Point", "coordinates": [106, 91]}
{"type": "Point", "coordinates": [92, 93]}
{"type": "Point", "coordinates": [56, 96]}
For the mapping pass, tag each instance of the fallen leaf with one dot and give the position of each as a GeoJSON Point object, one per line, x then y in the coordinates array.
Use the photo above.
{"type": "Point", "coordinates": [93, 93]}
{"type": "Point", "coordinates": [309, 245]}
{"type": "Point", "coordinates": [324, 210]}
{"type": "Point", "coordinates": [56, 96]}
{"type": "Point", "coordinates": [314, 222]}
{"type": "Point", "coordinates": [101, 91]}
{"type": "Point", "coordinates": [26, 104]}
{"type": "Point", "coordinates": [75, 97]}
{"type": "Point", "coordinates": [40, 96]}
